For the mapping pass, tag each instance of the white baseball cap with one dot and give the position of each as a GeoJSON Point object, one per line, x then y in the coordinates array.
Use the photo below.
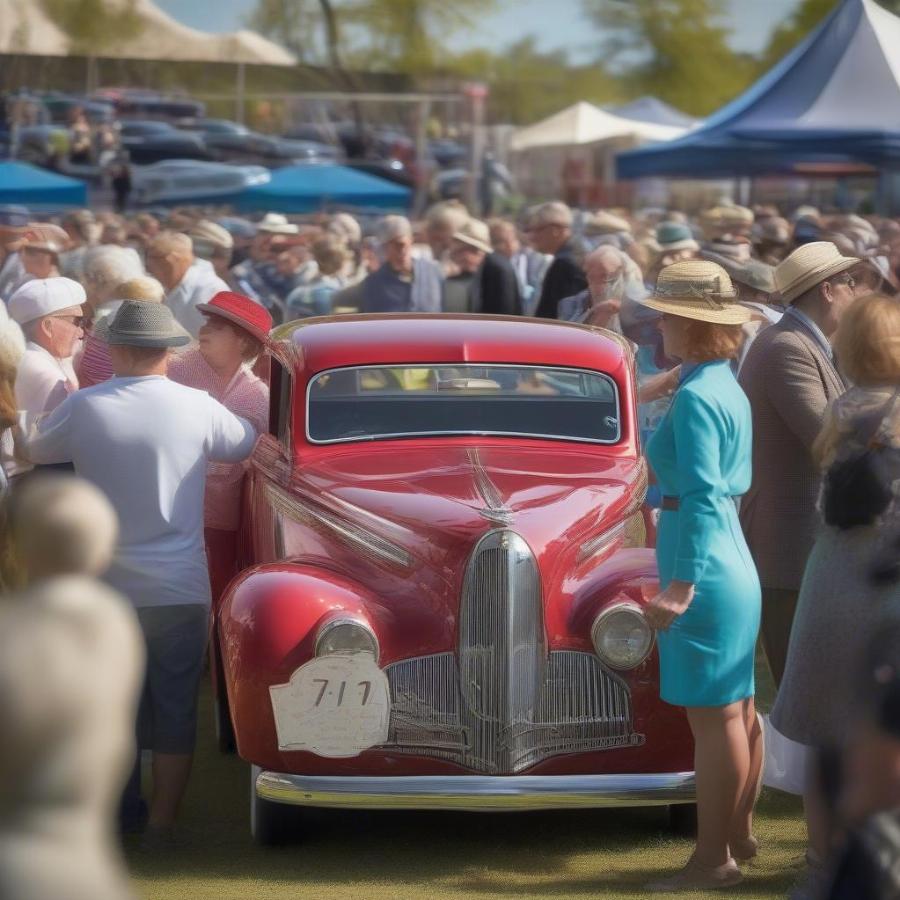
{"type": "Point", "coordinates": [43, 297]}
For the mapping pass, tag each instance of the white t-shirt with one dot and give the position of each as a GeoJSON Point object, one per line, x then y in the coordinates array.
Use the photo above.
{"type": "Point", "coordinates": [199, 285]}
{"type": "Point", "coordinates": [42, 383]}
{"type": "Point", "coordinates": [145, 442]}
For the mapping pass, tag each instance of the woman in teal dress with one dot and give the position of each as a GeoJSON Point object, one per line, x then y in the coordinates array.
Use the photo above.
{"type": "Point", "coordinates": [707, 614]}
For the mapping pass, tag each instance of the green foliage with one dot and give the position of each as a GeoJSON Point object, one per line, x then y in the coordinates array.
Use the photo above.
{"type": "Point", "coordinates": [407, 35]}
{"type": "Point", "coordinates": [676, 50]}
{"type": "Point", "coordinates": [295, 24]}
{"type": "Point", "coordinates": [93, 26]}
{"type": "Point", "coordinates": [805, 17]}
{"type": "Point", "coordinates": [527, 84]}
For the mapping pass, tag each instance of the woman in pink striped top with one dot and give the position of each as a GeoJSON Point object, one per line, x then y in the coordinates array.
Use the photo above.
{"type": "Point", "coordinates": [231, 338]}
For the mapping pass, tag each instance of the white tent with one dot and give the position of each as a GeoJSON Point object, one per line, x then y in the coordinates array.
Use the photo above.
{"type": "Point", "coordinates": [583, 123]}
{"type": "Point", "coordinates": [572, 154]}
{"type": "Point", "coordinates": [26, 28]}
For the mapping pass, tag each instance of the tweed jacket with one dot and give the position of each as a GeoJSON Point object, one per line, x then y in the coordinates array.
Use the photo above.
{"type": "Point", "coordinates": [789, 381]}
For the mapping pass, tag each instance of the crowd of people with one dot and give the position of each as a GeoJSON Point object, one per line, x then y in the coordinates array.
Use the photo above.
{"type": "Point", "coordinates": [767, 355]}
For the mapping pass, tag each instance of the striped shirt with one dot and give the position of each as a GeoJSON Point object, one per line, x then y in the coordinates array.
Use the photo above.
{"type": "Point", "coordinates": [246, 396]}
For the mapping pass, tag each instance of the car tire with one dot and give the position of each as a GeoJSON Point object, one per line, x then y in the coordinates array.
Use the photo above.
{"type": "Point", "coordinates": [683, 819]}
{"type": "Point", "coordinates": [271, 824]}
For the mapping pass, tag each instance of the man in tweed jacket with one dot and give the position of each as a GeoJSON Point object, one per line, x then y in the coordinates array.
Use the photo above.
{"type": "Point", "coordinates": [790, 377]}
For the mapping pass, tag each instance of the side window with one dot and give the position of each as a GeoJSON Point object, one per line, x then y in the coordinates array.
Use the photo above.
{"type": "Point", "coordinates": [280, 387]}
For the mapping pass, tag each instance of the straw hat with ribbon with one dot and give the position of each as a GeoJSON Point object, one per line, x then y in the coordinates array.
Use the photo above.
{"type": "Point", "coordinates": [698, 289]}
{"type": "Point", "coordinates": [809, 265]}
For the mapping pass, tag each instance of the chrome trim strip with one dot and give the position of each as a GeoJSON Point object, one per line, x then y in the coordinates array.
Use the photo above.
{"type": "Point", "coordinates": [478, 793]}
{"type": "Point", "coordinates": [511, 434]}
{"type": "Point", "coordinates": [368, 543]}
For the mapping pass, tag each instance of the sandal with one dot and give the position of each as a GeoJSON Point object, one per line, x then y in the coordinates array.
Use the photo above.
{"type": "Point", "coordinates": [695, 876]}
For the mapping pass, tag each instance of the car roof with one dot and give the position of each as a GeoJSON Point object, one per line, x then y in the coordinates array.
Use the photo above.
{"type": "Point", "coordinates": [317, 344]}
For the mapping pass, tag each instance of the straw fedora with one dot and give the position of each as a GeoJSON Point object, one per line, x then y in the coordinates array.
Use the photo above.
{"type": "Point", "coordinates": [809, 265]}
{"type": "Point", "coordinates": [476, 234]}
{"type": "Point", "coordinates": [698, 289]}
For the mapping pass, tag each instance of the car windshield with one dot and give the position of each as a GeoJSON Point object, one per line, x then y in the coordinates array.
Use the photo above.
{"type": "Point", "coordinates": [374, 402]}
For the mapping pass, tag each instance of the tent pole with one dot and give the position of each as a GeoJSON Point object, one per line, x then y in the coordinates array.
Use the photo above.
{"type": "Point", "coordinates": [421, 195]}
{"type": "Point", "coordinates": [239, 98]}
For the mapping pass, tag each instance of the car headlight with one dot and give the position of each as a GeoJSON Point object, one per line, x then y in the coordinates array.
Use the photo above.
{"type": "Point", "coordinates": [346, 636]}
{"type": "Point", "coordinates": [621, 636]}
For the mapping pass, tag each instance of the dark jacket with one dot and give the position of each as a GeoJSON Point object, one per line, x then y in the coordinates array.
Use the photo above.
{"type": "Point", "coordinates": [498, 287]}
{"type": "Point", "coordinates": [564, 278]}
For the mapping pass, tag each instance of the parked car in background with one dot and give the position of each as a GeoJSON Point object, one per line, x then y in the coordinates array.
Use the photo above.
{"type": "Point", "coordinates": [390, 169]}
{"type": "Point", "coordinates": [448, 154]}
{"type": "Point", "coordinates": [444, 574]}
{"type": "Point", "coordinates": [35, 143]}
{"type": "Point", "coordinates": [231, 141]}
{"type": "Point", "coordinates": [184, 180]}
{"type": "Point", "coordinates": [61, 107]}
{"type": "Point", "coordinates": [150, 104]}
{"type": "Point", "coordinates": [149, 141]}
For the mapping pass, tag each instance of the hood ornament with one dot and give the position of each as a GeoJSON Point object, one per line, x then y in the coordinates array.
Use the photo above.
{"type": "Point", "coordinates": [494, 508]}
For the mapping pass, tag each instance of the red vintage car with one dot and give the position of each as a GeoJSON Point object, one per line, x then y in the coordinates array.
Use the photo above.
{"type": "Point", "coordinates": [445, 568]}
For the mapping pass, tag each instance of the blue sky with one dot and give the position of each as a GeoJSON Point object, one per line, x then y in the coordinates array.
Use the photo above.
{"type": "Point", "coordinates": [556, 23]}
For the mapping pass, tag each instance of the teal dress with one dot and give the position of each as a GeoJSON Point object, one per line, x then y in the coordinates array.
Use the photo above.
{"type": "Point", "coordinates": [700, 454]}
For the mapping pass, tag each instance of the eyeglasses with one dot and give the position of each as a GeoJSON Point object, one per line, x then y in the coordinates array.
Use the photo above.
{"type": "Point", "coordinates": [847, 279]}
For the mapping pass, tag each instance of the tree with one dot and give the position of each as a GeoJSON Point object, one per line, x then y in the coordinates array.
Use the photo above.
{"type": "Point", "coordinates": [805, 17]}
{"type": "Point", "coordinates": [93, 26]}
{"type": "Point", "coordinates": [295, 24]}
{"type": "Point", "coordinates": [676, 50]}
{"type": "Point", "coordinates": [528, 84]}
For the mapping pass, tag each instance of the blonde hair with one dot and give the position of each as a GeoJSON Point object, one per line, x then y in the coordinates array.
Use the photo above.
{"type": "Point", "coordinates": [173, 242]}
{"type": "Point", "coordinates": [867, 342]}
{"type": "Point", "coordinates": [142, 288]}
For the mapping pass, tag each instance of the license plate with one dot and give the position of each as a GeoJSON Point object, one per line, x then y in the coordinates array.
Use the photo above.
{"type": "Point", "coordinates": [334, 706]}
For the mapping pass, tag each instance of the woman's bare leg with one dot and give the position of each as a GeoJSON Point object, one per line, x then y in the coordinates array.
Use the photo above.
{"type": "Point", "coordinates": [722, 765]}
{"type": "Point", "coordinates": [741, 830]}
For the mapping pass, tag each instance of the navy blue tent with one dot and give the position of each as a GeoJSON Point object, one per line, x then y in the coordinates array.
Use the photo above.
{"type": "Point", "coordinates": [833, 101]}
{"type": "Point", "coordinates": [30, 186]}
{"type": "Point", "coordinates": [652, 109]}
{"type": "Point", "coordinates": [303, 189]}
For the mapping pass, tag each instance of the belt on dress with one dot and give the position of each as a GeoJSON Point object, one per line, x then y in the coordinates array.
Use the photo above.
{"type": "Point", "coordinates": [672, 504]}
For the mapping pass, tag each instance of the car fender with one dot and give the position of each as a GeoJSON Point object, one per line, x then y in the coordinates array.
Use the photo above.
{"type": "Point", "coordinates": [267, 628]}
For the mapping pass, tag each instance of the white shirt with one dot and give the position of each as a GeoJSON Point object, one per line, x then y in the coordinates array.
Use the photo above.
{"type": "Point", "coordinates": [146, 442]}
{"type": "Point", "coordinates": [42, 383]}
{"type": "Point", "coordinates": [199, 285]}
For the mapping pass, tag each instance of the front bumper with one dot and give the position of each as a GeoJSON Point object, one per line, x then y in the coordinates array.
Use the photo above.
{"type": "Point", "coordinates": [480, 793]}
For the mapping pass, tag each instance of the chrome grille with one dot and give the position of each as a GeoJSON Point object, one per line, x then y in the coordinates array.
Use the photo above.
{"type": "Point", "coordinates": [507, 703]}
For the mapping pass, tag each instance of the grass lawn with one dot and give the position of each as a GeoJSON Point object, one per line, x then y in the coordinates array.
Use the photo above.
{"type": "Point", "coordinates": [457, 856]}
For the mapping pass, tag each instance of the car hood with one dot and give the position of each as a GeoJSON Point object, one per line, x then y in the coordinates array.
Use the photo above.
{"type": "Point", "coordinates": [439, 500]}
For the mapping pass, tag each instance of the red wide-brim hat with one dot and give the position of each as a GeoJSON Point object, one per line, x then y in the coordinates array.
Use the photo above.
{"type": "Point", "coordinates": [241, 310]}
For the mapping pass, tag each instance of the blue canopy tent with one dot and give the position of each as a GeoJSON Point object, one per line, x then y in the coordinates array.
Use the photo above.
{"type": "Point", "coordinates": [833, 103]}
{"type": "Point", "coordinates": [27, 185]}
{"type": "Point", "coordinates": [303, 189]}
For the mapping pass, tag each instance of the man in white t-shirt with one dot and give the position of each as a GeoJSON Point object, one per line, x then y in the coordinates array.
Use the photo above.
{"type": "Point", "coordinates": [49, 311]}
{"type": "Point", "coordinates": [188, 281]}
{"type": "Point", "coordinates": [146, 442]}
